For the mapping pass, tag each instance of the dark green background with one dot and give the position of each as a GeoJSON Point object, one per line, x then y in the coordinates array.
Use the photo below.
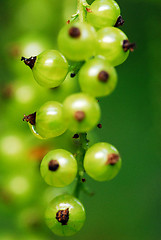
{"type": "Point", "coordinates": [128, 207]}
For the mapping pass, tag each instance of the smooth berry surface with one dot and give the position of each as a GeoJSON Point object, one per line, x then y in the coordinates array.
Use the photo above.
{"type": "Point", "coordinates": [97, 164]}
{"type": "Point", "coordinates": [81, 112]}
{"type": "Point", "coordinates": [103, 13]}
{"type": "Point", "coordinates": [63, 172]}
{"type": "Point", "coordinates": [49, 120]}
{"type": "Point", "coordinates": [50, 68]}
{"type": "Point", "coordinates": [110, 45]}
{"type": "Point", "coordinates": [80, 46]}
{"type": "Point", "coordinates": [97, 78]}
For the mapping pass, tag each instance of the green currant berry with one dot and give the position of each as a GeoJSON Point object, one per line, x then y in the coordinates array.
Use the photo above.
{"type": "Point", "coordinates": [97, 77]}
{"type": "Point", "coordinates": [102, 162]}
{"type": "Point", "coordinates": [103, 13]}
{"type": "Point", "coordinates": [81, 112]}
{"type": "Point", "coordinates": [113, 44]}
{"type": "Point", "coordinates": [59, 168]}
{"type": "Point", "coordinates": [34, 131]}
{"type": "Point", "coordinates": [49, 68]}
{"type": "Point", "coordinates": [77, 41]}
{"type": "Point", "coordinates": [65, 215]}
{"type": "Point", "coordinates": [48, 120]}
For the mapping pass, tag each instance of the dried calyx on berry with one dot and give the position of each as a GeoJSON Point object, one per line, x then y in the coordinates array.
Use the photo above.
{"type": "Point", "coordinates": [103, 76]}
{"type": "Point", "coordinates": [31, 118]}
{"type": "Point", "coordinates": [112, 159]}
{"type": "Point", "coordinates": [74, 32]}
{"type": "Point", "coordinates": [53, 165]}
{"type": "Point", "coordinates": [120, 21]}
{"type": "Point", "coordinates": [128, 46]}
{"type": "Point", "coordinates": [63, 216]}
{"type": "Point", "coordinates": [29, 61]}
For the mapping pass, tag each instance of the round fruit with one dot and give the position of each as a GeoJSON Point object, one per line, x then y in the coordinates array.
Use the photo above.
{"type": "Point", "coordinates": [48, 120]}
{"type": "Point", "coordinates": [110, 44]}
{"type": "Point", "coordinates": [65, 216]}
{"type": "Point", "coordinates": [102, 162]}
{"type": "Point", "coordinates": [97, 77]}
{"type": "Point", "coordinates": [59, 168]}
{"type": "Point", "coordinates": [77, 41]}
{"type": "Point", "coordinates": [49, 68]}
{"type": "Point", "coordinates": [103, 13]}
{"type": "Point", "coordinates": [81, 112]}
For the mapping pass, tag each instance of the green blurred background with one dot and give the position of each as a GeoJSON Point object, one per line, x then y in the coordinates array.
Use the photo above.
{"type": "Point", "coordinates": [126, 208]}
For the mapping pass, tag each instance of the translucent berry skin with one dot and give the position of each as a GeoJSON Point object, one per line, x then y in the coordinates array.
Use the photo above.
{"type": "Point", "coordinates": [50, 121]}
{"type": "Point", "coordinates": [77, 215]}
{"type": "Point", "coordinates": [96, 165]}
{"type": "Point", "coordinates": [77, 48]}
{"type": "Point", "coordinates": [65, 172]}
{"type": "Point", "coordinates": [110, 45]}
{"type": "Point", "coordinates": [81, 103]}
{"type": "Point", "coordinates": [50, 68]}
{"type": "Point", "coordinates": [34, 132]}
{"type": "Point", "coordinates": [90, 81]}
{"type": "Point", "coordinates": [103, 13]}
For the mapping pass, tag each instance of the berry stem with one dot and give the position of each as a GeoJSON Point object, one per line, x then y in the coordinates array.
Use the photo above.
{"type": "Point", "coordinates": [81, 6]}
{"type": "Point", "coordinates": [82, 148]}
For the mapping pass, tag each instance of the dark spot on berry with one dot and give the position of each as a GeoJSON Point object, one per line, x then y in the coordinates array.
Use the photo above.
{"type": "Point", "coordinates": [72, 75]}
{"type": "Point", "coordinates": [29, 61]}
{"type": "Point", "coordinates": [74, 32]}
{"type": "Point", "coordinates": [99, 125]}
{"type": "Point", "coordinates": [63, 216]}
{"type": "Point", "coordinates": [53, 165]}
{"type": "Point", "coordinates": [76, 135]}
{"type": "Point", "coordinates": [103, 76]}
{"type": "Point", "coordinates": [83, 179]}
{"type": "Point", "coordinates": [79, 116]}
{"type": "Point", "coordinates": [120, 21]}
{"type": "Point", "coordinates": [31, 118]}
{"type": "Point", "coordinates": [112, 159]}
{"type": "Point", "coordinates": [128, 46]}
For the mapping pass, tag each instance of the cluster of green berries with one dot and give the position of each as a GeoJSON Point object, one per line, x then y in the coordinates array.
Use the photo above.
{"type": "Point", "coordinates": [91, 46]}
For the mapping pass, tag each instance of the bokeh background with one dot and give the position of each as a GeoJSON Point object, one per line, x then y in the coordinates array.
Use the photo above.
{"type": "Point", "coordinates": [126, 208]}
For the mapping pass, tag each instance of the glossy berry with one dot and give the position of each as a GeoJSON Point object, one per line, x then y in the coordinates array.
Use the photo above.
{"type": "Point", "coordinates": [77, 41]}
{"type": "Point", "coordinates": [49, 68]}
{"type": "Point", "coordinates": [97, 77]}
{"type": "Point", "coordinates": [58, 168]}
{"type": "Point", "coordinates": [65, 215]}
{"type": "Point", "coordinates": [48, 120]}
{"type": "Point", "coordinates": [102, 162]}
{"type": "Point", "coordinates": [81, 112]}
{"type": "Point", "coordinates": [34, 131]}
{"type": "Point", "coordinates": [103, 13]}
{"type": "Point", "coordinates": [110, 45]}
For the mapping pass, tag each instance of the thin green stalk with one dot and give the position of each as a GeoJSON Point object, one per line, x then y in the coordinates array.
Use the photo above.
{"type": "Point", "coordinates": [83, 146]}
{"type": "Point", "coordinates": [80, 9]}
